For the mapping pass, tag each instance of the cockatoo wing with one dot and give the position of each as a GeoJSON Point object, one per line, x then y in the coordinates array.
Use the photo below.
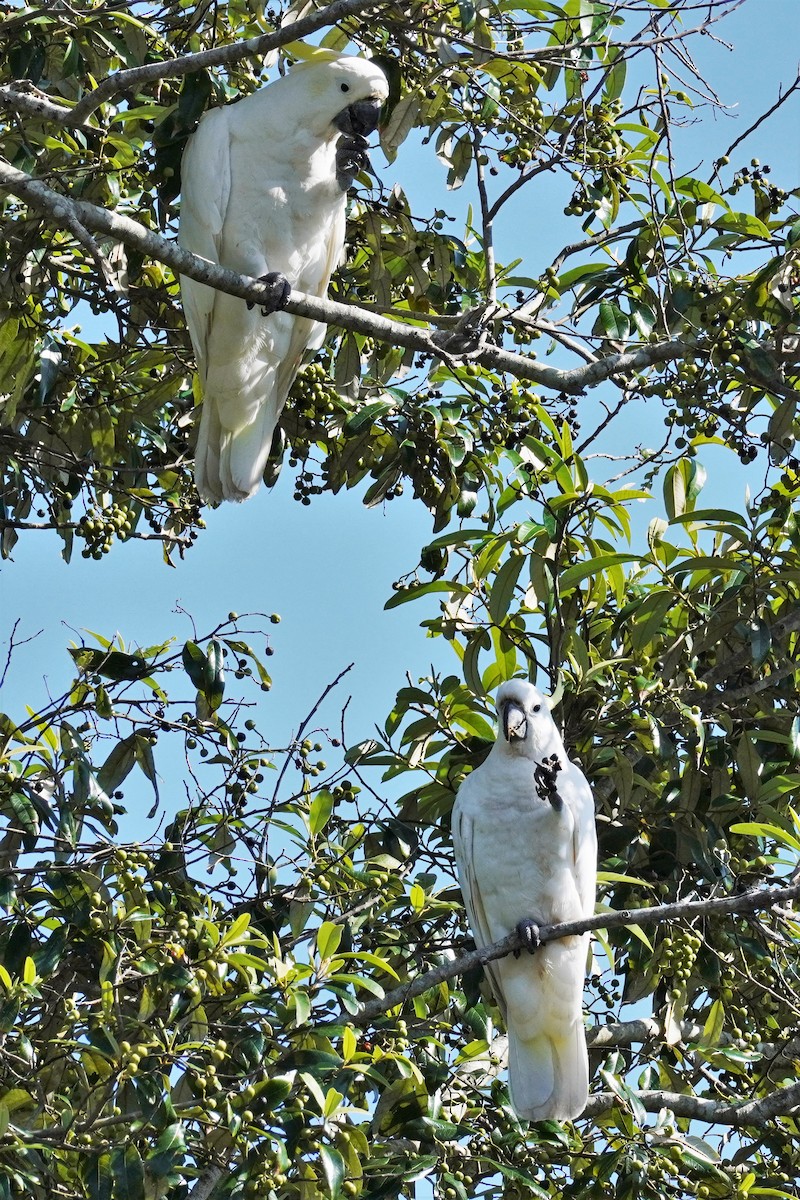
{"type": "Point", "coordinates": [204, 201]}
{"type": "Point", "coordinates": [463, 829]}
{"type": "Point", "coordinates": [282, 344]}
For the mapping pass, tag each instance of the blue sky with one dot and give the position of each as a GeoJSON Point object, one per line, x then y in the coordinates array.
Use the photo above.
{"type": "Point", "coordinates": [328, 568]}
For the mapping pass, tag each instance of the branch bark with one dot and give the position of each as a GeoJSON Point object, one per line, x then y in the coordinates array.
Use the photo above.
{"type": "Point", "coordinates": [62, 211]}
{"type": "Point", "coordinates": [652, 1029]}
{"type": "Point", "coordinates": [779, 1103]}
{"type": "Point", "coordinates": [745, 902]}
{"type": "Point", "coordinates": [36, 104]}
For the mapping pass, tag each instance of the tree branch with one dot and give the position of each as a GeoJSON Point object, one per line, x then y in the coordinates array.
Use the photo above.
{"type": "Point", "coordinates": [652, 1029]}
{"type": "Point", "coordinates": [218, 56]}
{"type": "Point", "coordinates": [745, 902]}
{"type": "Point", "coordinates": [206, 1183]}
{"type": "Point", "coordinates": [645, 1029]}
{"type": "Point", "coordinates": [779, 1103]}
{"type": "Point", "coordinates": [744, 657]}
{"type": "Point", "coordinates": [27, 99]}
{"type": "Point", "coordinates": [63, 211]}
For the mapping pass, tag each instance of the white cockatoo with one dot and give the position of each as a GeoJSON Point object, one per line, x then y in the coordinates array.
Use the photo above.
{"type": "Point", "coordinates": [263, 192]}
{"type": "Point", "coordinates": [526, 851]}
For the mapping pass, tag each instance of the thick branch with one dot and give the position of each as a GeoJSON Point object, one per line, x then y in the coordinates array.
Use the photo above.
{"type": "Point", "coordinates": [745, 902]}
{"type": "Point", "coordinates": [652, 1029]}
{"type": "Point", "coordinates": [61, 211]}
{"type": "Point", "coordinates": [629, 1033]}
{"type": "Point", "coordinates": [779, 1103]}
{"type": "Point", "coordinates": [36, 104]}
{"type": "Point", "coordinates": [218, 56]}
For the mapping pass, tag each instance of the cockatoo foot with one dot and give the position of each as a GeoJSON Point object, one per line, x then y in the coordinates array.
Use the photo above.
{"type": "Point", "coordinates": [528, 931]}
{"type": "Point", "coordinates": [281, 289]}
{"type": "Point", "coordinates": [351, 159]}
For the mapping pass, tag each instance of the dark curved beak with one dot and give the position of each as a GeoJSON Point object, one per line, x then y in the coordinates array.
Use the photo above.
{"type": "Point", "coordinates": [515, 722]}
{"type": "Point", "coordinates": [359, 119]}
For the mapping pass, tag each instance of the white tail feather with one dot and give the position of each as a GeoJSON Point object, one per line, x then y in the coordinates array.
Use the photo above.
{"type": "Point", "coordinates": [548, 1077]}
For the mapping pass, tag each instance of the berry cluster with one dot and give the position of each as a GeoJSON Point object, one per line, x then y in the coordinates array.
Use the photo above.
{"type": "Point", "coordinates": [678, 955]}
{"type": "Point", "coordinates": [99, 528]}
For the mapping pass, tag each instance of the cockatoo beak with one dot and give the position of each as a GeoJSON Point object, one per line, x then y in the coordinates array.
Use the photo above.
{"type": "Point", "coordinates": [515, 722]}
{"type": "Point", "coordinates": [359, 119]}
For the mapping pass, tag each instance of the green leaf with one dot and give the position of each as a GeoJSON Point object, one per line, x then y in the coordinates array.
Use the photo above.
{"type": "Point", "coordinates": [118, 765]}
{"type": "Point", "coordinates": [763, 829]}
{"type": "Point", "coordinates": [503, 585]}
{"type": "Point", "coordinates": [334, 1167]}
{"type": "Point", "coordinates": [366, 417]}
{"type": "Point", "coordinates": [274, 1092]}
{"type": "Point", "coordinates": [760, 640]}
{"type": "Point", "coordinates": [320, 811]}
{"type": "Point", "coordinates": [423, 589]}
{"type": "Point", "coordinates": [613, 321]}
{"type": "Point", "coordinates": [25, 816]}
{"type": "Point", "coordinates": [615, 78]}
{"type": "Point", "coordinates": [235, 932]}
{"type": "Point", "coordinates": [749, 764]}
{"type": "Point", "coordinates": [143, 750]}
{"type": "Point", "coordinates": [195, 95]}
{"type": "Point", "coordinates": [329, 936]}
{"type": "Point", "coordinates": [127, 1171]}
{"type": "Point", "coordinates": [168, 1152]}
{"type": "Point", "coordinates": [194, 663]}
{"type": "Point", "coordinates": [682, 485]}
{"type": "Point", "coordinates": [743, 223]}
{"type": "Point", "coordinates": [700, 191]}
{"type": "Point", "coordinates": [594, 566]}
{"type": "Point", "coordinates": [214, 686]}
{"type": "Point", "coordinates": [715, 1022]}
{"type": "Point", "coordinates": [96, 1171]}
{"type": "Point", "coordinates": [532, 1188]}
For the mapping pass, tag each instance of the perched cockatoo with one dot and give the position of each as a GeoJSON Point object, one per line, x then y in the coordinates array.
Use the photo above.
{"type": "Point", "coordinates": [263, 185]}
{"type": "Point", "coordinates": [526, 851]}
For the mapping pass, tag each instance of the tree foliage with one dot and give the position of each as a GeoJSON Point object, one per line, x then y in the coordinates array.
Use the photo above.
{"type": "Point", "coordinates": [182, 994]}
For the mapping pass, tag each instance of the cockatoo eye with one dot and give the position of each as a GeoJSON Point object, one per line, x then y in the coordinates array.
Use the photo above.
{"type": "Point", "coordinates": [345, 87]}
{"type": "Point", "coordinates": [536, 707]}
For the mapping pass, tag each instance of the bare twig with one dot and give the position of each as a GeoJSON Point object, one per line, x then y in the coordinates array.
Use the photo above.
{"type": "Point", "coordinates": [763, 117]}
{"type": "Point", "coordinates": [13, 643]}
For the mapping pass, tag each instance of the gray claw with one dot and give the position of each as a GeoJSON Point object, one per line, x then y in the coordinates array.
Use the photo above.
{"type": "Point", "coordinates": [528, 931]}
{"type": "Point", "coordinates": [281, 289]}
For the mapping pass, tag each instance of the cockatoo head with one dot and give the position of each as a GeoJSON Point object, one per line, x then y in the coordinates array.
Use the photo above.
{"type": "Point", "coordinates": [342, 93]}
{"type": "Point", "coordinates": [526, 726]}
